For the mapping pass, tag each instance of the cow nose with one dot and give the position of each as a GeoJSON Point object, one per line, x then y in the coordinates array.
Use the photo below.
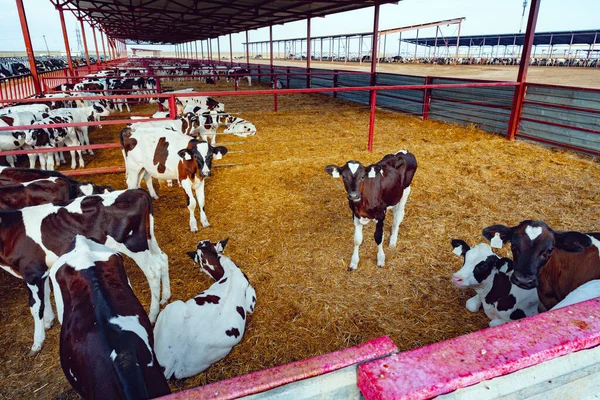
{"type": "Point", "coordinates": [354, 196]}
{"type": "Point", "coordinates": [524, 282]}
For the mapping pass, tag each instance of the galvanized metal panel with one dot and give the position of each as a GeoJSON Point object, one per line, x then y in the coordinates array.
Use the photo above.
{"type": "Point", "coordinates": [565, 96]}
{"type": "Point", "coordinates": [557, 134]}
{"type": "Point", "coordinates": [561, 116]}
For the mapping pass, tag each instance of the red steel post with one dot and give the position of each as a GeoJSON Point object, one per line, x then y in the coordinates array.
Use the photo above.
{"type": "Point", "coordinates": [271, 46]}
{"type": "Point", "coordinates": [96, 44]}
{"type": "Point", "coordinates": [230, 51]}
{"type": "Point", "coordinates": [373, 97]}
{"type": "Point", "coordinates": [519, 96]}
{"type": "Point", "coordinates": [87, 55]}
{"type": "Point", "coordinates": [219, 48]}
{"type": "Point", "coordinates": [308, 51]}
{"type": "Point", "coordinates": [29, 47]}
{"type": "Point", "coordinates": [426, 99]}
{"type": "Point", "coordinates": [103, 47]}
{"type": "Point", "coordinates": [275, 96]}
{"type": "Point", "coordinates": [247, 50]}
{"type": "Point", "coordinates": [172, 107]}
{"type": "Point", "coordinates": [66, 39]}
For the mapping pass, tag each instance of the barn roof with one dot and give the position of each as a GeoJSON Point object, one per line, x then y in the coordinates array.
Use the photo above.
{"type": "Point", "coordinates": [178, 21]}
{"type": "Point", "coordinates": [508, 39]}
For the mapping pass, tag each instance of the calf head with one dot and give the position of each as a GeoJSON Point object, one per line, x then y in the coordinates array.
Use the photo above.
{"type": "Point", "coordinates": [478, 265]}
{"type": "Point", "coordinates": [353, 174]}
{"type": "Point", "coordinates": [190, 123]}
{"type": "Point", "coordinates": [207, 256]}
{"type": "Point", "coordinates": [532, 245]}
{"type": "Point", "coordinates": [33, 137]}
{"type": "Point", "coordinates": [203, 153]}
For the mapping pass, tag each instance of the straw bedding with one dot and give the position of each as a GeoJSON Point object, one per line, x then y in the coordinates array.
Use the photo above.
{"type": "Point", "coordinates": [291, 232]}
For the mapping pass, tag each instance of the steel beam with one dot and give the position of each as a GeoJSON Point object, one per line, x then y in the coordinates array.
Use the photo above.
{"type": "Point", "coordinates": [519, 96]}
{"type": "Point", "coordinates": [29, 47]}
{"type": "Point", "coordinates": [85, 46]}
{"type": "Point", "coordinates": [96, 45]}
{"type": "Point", "coordinates": [66, 39]}
{"type": "Point", "coordinates": [373, 97]}
{"type": "Point", "coordinates": [308, 51]}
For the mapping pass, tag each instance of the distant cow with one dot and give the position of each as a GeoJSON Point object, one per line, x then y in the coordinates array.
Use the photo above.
{"type": "Point", "coordinates": [489, 275]}
{"type": "Point", "coordinates": [371, 190]}
{"type": "Point", "coordinates": [553, 261]}
{"type": "Point", "coordinates": [165, 154]}
{"type": "Point", "coordinates": [106, 340]}
{"type": "Point", "coordinates": [32, 239]}
{"type": "Point", "coordinates": [193, 335]}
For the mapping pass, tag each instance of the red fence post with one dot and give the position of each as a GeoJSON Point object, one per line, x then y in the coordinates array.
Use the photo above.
{"type": "Point", "coordinates": [426, 98]}
{"type": "Point", "coordinates": [275, 96]}
{"type": "Point", "coordinates": [519, 96]}
{"type": "Point", "coordinates": [172, 107]}
{"type": "Point", "coordinates": [373, 101]}
{"type": "Point", "coordinates": [288, 77]}
{"type": "Point", "coordinates": [29, 47]}
{"type": "Point", "coordinates": [335, 82]}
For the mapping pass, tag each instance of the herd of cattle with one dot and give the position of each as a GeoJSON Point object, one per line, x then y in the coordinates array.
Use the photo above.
{"type": "Point", "coordinates": [447, 60]}
{"type": "Point", "coordinates": [54, 228]}
{"type": "Point", "coordinates": [18, 66]}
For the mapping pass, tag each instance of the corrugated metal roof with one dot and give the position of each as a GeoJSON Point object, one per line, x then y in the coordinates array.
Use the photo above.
{"type": "Point", "coordinates": [508, 39]}
{"type": "Point", "coordinates": [178, 21]}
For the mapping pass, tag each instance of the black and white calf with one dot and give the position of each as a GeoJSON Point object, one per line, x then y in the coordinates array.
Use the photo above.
{"type": "Point", "coordinates": [32, 239]}
{"type": "Point", "coordinates": [165, 154]}
{"type": "Point", "coordinates": [106, 340]}
{"type": "Point", "coordinates": [372, 190]}
{"type": "Point", "coordinates": [191, 336]}
{"type": "Point", "coordinates": [489, 275]}
{"type": "Point", "coordinates": [238, 73]}
{"type": "Point", "coordinates": [83, 114]}
{"type": "Point", "coordinates": [49, 137]}
{"type": "Point", "coordinates": [14, 140]}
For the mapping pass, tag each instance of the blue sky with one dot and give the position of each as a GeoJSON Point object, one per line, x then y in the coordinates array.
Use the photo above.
{"type": "Point", "coordinates": [482, 16]}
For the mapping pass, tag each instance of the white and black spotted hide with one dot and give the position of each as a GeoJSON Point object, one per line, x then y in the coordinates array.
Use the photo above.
{"type": "Point", "coordinates": [191, 336]}
{"type": "Point", "coordinates": [489, 275]}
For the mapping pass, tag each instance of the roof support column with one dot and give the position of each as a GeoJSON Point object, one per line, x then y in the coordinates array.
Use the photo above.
{"type": "Point", "coordinates": [247, 50]}
{"type": "Point", "coordinates": [569, 51]}
{"type": "Point", "coordinates": [373, 97]}
{"type": "Point", "coordinates": [103, 47]}
{"type": "Point", "coordinates": [437, 28]}
{"type": "Point", "coordinates": [416, 44]}
{"type": "Point", "coordinates": [201, 50]}
{"type": "Point", "coordinates": [85, 46]}
{"type": "Point", "coordinates": [517, 106]}
{"type": "Point", "coordinates": [219, 48]}
{"type": "Point", "coordinates": [96, 45]}
{"type": "Point", "coordinates": [592, 48]}
{"type": "Point", "coordinates": [210, 53]}
{"type": "Point", "coordinates": [360, 43]}
{"type": "Point", "coordinates": [29, 47]}
{"type": "Point", "coordinates": [271, 47]}
{"type": "Point", "coordinates": [457, 42]}
{"type": "Point", "coordinates": [66, 39]}
{"type": "Point", "coordinates": [308, 51]}
{"type": "Point", "coordinates": [230, 50]}
{"type": "Point", "coordinates": [196, 48]}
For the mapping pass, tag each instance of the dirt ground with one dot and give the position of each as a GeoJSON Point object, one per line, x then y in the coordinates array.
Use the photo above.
{"type": "Point", "coordinates": [569, 76]}
{"type": "Point", "coordinates": [291, 232]}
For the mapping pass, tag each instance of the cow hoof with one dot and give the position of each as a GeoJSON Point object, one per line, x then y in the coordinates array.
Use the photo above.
{"type": "Point", "coordinates": [33, 352]}
{"type": "Point", "coordinates": [49, 324]}
{"type": "Point", "coordinates": [381, 265]}
{"type": "Point", "coordinates": [392, 245]}
{"type": "Point", "coordinates": [194, 229]}
{"type": "Point", "coordinates": [154, 196]}
{"type": "Point", "coordinates": [164, 301]}
{"type": "Point", "coordinates": [351, 269]}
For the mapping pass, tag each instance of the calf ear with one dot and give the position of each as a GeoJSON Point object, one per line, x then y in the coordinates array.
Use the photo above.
{"type": "Point", "coordinates": [573, 242]}
{"type": "Point", "coordinates": [460, 247]}
{"type": "Point", "coordinates": [219, 152]}
{"type": "Point", "coordinates": [220, 247]}
{"type": "Point", "coordinates": [193, 255]}
{"type": "Point", "coordinates": [504, 231]}
{"type": "Point", "coordinates": [183, 153]}
{"type": "Point", "coordinates": [333, 170]}
{"type": "Point", "coordinates": [501, 261]}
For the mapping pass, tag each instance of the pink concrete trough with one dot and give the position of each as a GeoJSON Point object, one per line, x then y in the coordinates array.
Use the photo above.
{"type": "Point", "coordinates": [271, 378]}
{"type": "Point", "coordinates": [464, 361]}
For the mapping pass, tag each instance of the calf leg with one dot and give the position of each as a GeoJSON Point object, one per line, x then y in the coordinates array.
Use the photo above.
{"type": "Point", "coordinates": [398, 216]}
{"type": "Point", "coordinates": [474, 303]}
{"type": "Point", "coordinates": [133, 176]}
{"type": "Point", "coordinates": [186, 184]}
{"type": "Point", "coordinates": [48, 313]}
{"type": "Point", "coordinates": [200, 197]}
{"type": "Point", "coordinates": [11, 160]}
{"type": "Point", "coordinates": [36, 306]}
{"type": "Point", "coordinates": [148, 179]}
{"type": "Point", "coordinates": [379, 240]}
{"type": "Point", "coordinates": [158, 254]}
{"type": "Point", "coordinates": [358, 237]}
{"type": "Point", "coordinates": [32, 158]}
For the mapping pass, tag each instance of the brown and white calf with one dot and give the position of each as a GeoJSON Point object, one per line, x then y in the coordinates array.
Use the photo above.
{"type": "Point", "coordinates": [11, 176]}
{"type": "Point", "coordinates": [32, 239]}
{"type": "Point", "coordinates": [41, 191]}
{"type": "Point", "coordinates": [106, 340]}
{"type": "Point", "coordinates": [165, 154]}
{"type": "Point", "coordinates": [555, 262]}
{"type": "Point", "coordinates": [193, 335]}
{"type": "Point", "coordinates": [372, 190]}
